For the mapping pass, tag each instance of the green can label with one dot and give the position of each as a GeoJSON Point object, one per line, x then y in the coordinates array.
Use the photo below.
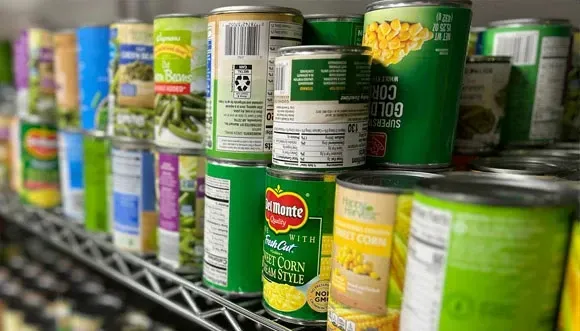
{"type": "Point", "coordinates": [298, 247]}
{"type": "Point", "coordinates": [477, 267]}
{"type": "Point", "coordinates": [347, 31]}
{"type": "Point", "coordinates": [96, 169]}
{"type": "Point", "coordinates": [233, 220]}
{"type": "Point", "coordinates": [180, 72]}
{"type": "Point", "coordinates": [39, 153]}
{"type": "Point", "coordinates": [412, 114]}
{"type": "Point", "coordinates": [535, 97]}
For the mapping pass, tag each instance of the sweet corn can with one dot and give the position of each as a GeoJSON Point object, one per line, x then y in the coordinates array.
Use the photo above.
{"type": "Point", "coordinates": [97, 150]}
{"type": "Point", "coordinates": [243, 42]}
{"type": "Point", "coordinates": [71, 169]}
{"type": "Point", "coordinates": [478, 250]}
{"type": "Point", "coordinates": [372, 220]}
{"type": "Point", "coordinates": [569, 319]}
{"type": "Point", "coordinates": [132, 86]}
{"type": "Point", "coordinates": [321, 107]}
{"type": "Point", "coordinates": [66, 79]}
{"type": "Point", "coordinates": [482, 104]}
{"type": "Point", "coordinates": [180, 185]}
{"type": "Point", "coordinates": [234, 204]}
{"type": "Point", "coordinates": [539, 49]}
{"type": "Point", "coordinates": [39, 177]}
{"type": "Point", "coordinates": [415, 46]}
{"type": "Point", "coordinates": [332, 29]}
{"type": "Point", "coordinates": [180, 80]}
{"type": "Point", "coordinates": [571, 123]}
{"type": "Point", "coordinates": [297, 245]}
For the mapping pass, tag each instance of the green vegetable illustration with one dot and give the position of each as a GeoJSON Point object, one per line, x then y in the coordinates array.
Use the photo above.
{"type": "Point", "coordinates": [474, 120]}
{"type": "Point", "coordinates": [183, 115]}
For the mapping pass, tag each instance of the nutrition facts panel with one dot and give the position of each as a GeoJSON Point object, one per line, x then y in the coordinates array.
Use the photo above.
{"type": "Point", "coordinates": [217, 209]}
{"type": "Point", "coordinates": [425, 272]}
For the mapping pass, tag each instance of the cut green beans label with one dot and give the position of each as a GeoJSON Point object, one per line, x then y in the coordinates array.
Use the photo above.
{"type": "Point", "coordinates": [180, 69]}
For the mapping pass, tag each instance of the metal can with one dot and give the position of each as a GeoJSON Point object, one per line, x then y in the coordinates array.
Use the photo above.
{"type": "Point", "coordinates": [6, 63]}
{"type": "Point", "coordinates": [243, 42]}
{"type": "Point", "coordinates": [66, 79]}
{"type": "Point", "coordinates": [132, 84]}
{"type": "Point", "coordinates": [475, 42]}
{"type": "Point", "coordinates": [233, 219]}
{"type": "Point", "coordinates": [482, 104]}
{"type": "Point", "coordinates": [133, 176]}
{"type": "Point", "coordinates": [478, 244]}
{"type": "Point", "coordinates": [568, 154]}
{"type": "Point", "coordinates": [332, 29]}
{"type": "Point", "coordinates": [518, 165]}
{"type": "Point", "coordinates": [180, 185]}
{"type": "Point", "coordinates": [372, 220]}
{"type": "Point", "coordinates": [321, 107]}
{"type": "Point", "coordinates": [39, 168]}
{"type": "Point", "coordinates": [571, 124]}
{"type": "Point", "coordinates": [441, 170]}
{"type": "Point", "coordinates": [568, 319]}
{"type": "Point", "coordinates": [180, 80]}
{"type": "Point", "coordinates": [5, 152]}
{"type": "Point", "coordinates": [93, 62]}
{"type": "Point", "coordinates": [415, 46]}
{"type": "Point", "coordinates": [298, 245]}
{"type": "Point", "coordinates": [539, 49]}
{"type": "Point", "coordinates": [111, 71]}
{"type": "Point", "coordinates": [97, 169]}
{"type": "Point", "coordinates": [15, 153]}
{"type": "Point", "coordinates": [71, 167]}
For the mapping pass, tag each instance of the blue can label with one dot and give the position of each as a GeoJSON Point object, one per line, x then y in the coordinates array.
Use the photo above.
{"type": "Point", "coordinates": [70, 153]}
{"type": "Point", "coordinates": [93, 57]}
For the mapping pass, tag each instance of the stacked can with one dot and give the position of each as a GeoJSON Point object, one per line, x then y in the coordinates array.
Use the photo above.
{"type": "Point", "coordinates": [180, 51]}
{"type": "Point", "coordinates": [571, 123]}
{"type": "Point", "coordinates": [7, 96]}
{"type": "Point", "coordinates": [330, 29]}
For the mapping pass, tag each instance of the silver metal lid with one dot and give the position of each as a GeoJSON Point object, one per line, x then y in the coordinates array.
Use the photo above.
{"type": "Point", "coordinates": [531, 166]}
{"type": "Point", "coordinates": [382, 4]}
{"type": "Point", "coordinates": [382, 181]}
{"type": "Point", "coordinates": [477, 29]}
{"type": "Point", "coordinates": [573, 145]}
{"type": "Point", "coordinates": [96, 133]}
{"type": "Point", "coordinates": [302, 175]}
{"type": "Point", "coordinates": [333, 17]}
{"type": "Point", "coordinates": [318, 49]}
{"type": "Point", "coordinates": [488, 59]}
{"type": "Point", "coordinates": [131, 143]}
{"type": "Point", "coordinates": [179, 151]}
{"type": "Point", "coordinates": [255, 9]}
{"type": "Point", "coordinates": [180, 15]}
{"type": "Point", "coordinates": [498, 190]}
{"type": "Point", "coordinates": [529, 21]}
{"type": "Point", "coordinates": [129, 21]}
{"type": "Point", "coordinates": [237, 163]}
{"type": "Point", "coordinates": [543, 153]}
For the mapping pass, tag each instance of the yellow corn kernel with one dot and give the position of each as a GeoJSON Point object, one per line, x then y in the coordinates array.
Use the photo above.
{"type": "Point", "coordinates": [371, 36]}
{"type": "Point", "coordinates": [376, 54]}
{"type": "Point", "coordinates": [400, 53]}
{"type": "Point", "coordinates": [386, 53]}
{"type": "Point", "coordinates": [404, 35]}
{"type": "Point", "coordinates": [412, 45]}
{"type": "Point", "coordinates": [359, 259]}
{"type": "Point", "coordinates": [391, 35]}
{"type": "Point", "coordinates": [383, 44]}
{"type": "Point", "coordinates": [358, 270]}
{"type": "Point", "coordinates": [424, 34]}
{"type": "Point", "coordinates": [431, 35]}
{"type": "Point", "coordinates": [374, 275]}
{"type": "Point", "coordinates": [373, 26]}
{"type": "Point", "coordinates": [394, 43]}
{"type": "Point", "coordinates": [384, 28]}
{"type": "Point", "coordinates": [415, 28]}
{"type": "Point", "coordinates": [396, 25]}
{"type": "Point", "coordinates": [419, 45]}
{"type": "Point", "coordinates": [405, 26]}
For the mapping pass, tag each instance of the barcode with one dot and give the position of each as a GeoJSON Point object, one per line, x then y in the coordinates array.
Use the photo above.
{"type": "Point", "coordinates": [169, 247]}
{"type": "Point", "coordinates": [521, 46]}
{"type": "Point", "coordinates": [280, 78]}
{"type": "Point", "coordinates": [242, 40]}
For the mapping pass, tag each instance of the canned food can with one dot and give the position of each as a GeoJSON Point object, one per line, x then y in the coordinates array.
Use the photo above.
{"type": "Point", "coordinates": [519, 165]}
{"type": "Point", "coordinates": [66, 79]}
{"type": "Point", "coordinates": [39, 168]}
{"type": "Point", "coordinates": [571, 124]}
{"type": "Point", "coordinates": [133, 186]}
{"type": "Point", "coordinates": [15, 153]}
{"type": "Point", "coordinates": [243, 42]}
{"type": "Point", "coordinates": [5, 152]}
{"type": "Point", "coordinates": [539, 49]}
{"type": "Point", "coordinates": [568, 319]}
{"type": "Point", "coordinates": [132, 84]}
{"type": "Point", "coordinates": [6, 77]}
{"type": "Point", "coordinates": [233, 219]}
{"type": "Point", "coordinates": [372, 220]}
{"type": "Point", "coordinates": [332, 29]}
{"type": "Point", "coordinates": [180, 186]}
{"type": "Point", "coordinates": [478, 245]}
{"type": "Point", "coordinates": [20, 68]}
{"type": "Point", "coordinates": [298, 245]}
{"type": "Point", "coordinates": [180, 80]}
{"type": "Point", "coordinates": [321, 107]}
{"type": "Point", "coordinates": [441, 170]}
{"type": "Point", "coordinates": [482, 104]}
{"type": "Point", "coordinates": [112, 68]}
{"type": "Point", "coordinates": [97, 168]}
{"type": "Point", "coordinates": [71, 167]}
{"type": "Point", "coordinates": [475, 42]}
{"type": "Point", "coordinates": [93, 62]}
{"type": "Point", "coordinates": [415, 46]}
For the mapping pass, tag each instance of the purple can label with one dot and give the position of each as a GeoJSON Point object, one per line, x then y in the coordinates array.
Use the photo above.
{"type": "Point", "coordinates": [20, 68]}
{"type": "Point", "coordinates": [168, 192]}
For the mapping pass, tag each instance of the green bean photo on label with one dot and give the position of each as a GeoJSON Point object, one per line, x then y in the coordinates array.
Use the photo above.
{"type": "Point", "coordinates": [182, 115]}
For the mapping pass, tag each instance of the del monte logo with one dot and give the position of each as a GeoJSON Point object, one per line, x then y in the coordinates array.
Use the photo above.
{"type": "Point", "coordinates": [285, 210]}
{"type": "Point", "coordinates": [41, 143]}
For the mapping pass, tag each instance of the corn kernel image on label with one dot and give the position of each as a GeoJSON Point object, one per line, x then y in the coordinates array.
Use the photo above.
{"type": "Point", "coordinates": [418, 60]}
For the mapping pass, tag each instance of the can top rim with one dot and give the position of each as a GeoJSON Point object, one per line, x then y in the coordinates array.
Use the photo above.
{"type": "Point", "coordinates": [178, 150]}
{"type": "Point", "coordinates": [543, 153]}
{"type": "Point", "coordinates": [307, 49]}
{"type": "Point", "coordinates": [498, 190]}
{"type": "Point", "coordinates": [566, 145]}
{"type": "Point", "coordinates": [131, 142]}
{"type": "Point", "coordinates": [96, 133]}
{"type": "Point", "coordinates": [488, 58]}
{"type": "Point", "coordinates": [517, 165]}
{"type": "Point", "coordinates": [381, 4]}
{"type": "Point", "coordinates": [129, 20]}
{"type": "Point", "coordinates": [383, 181]}
{"type": "Point", "coordinates": [331, 16]}
{"type": "Point", "coordinates": [64, 32]}
{"type": "Point", "coordinates": [93, 25]}
{"type": "Point", "coordinates": [527, 21]}
{"type": "Point", "coordinates": [178, 15]}
{"type": "Point", "coordinates": [36, 119]}
{"type": "Point", "coordinates": [235, 163]}
{"type": "Point", "coordinates": [302, 175]}
{"type": "Point", "coordinates": [477, 29]}
{"type": "Point", "coordinates": [255, 9]}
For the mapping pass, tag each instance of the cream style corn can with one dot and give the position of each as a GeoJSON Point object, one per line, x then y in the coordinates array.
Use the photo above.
{"type": "Point", "coordinates": [372, 219]}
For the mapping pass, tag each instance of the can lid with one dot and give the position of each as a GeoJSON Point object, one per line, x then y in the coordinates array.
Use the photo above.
{"type": "Point", "coordinates": [127, 142]}
{"type": "Point", "coordinates": [333, 17]}
{"type": "Point", "coordinates": [477, 29]}
{"type": "Point", "coordinates": [236, 163]}
{"type": "Point", "coordinates": [179, 15]}
{"type": "Point", "coordinates": [180, 151]}
{"type": "Point", "coordinates": [96, 133]}
{"type": "Point", "coordinates": [129, 21]}
{"type": "Point", "coordinates": [573, 145]}
{"type": "Point", "coordinates": [383, 181]}
{"type": "Point", "coordinates": [543, 153]}
{"type": "Point", "coordinates": [255, 9]}
{"type": "Point", "coordinates": [498, 189]}
{"type": "Point", "coordinates": [318, 49]}
{"type": "Point", "coordinates": [382, 4]}
{"type": "Point", "coordinates": [92, 26]}
{"type": "Point", "coordinates": [302, 175]}
{"type": "Point", "coordinates": [488, 59]}
{"type": "Point", "coordinates": [529, 21]}
{"type": "Point", "coordinates": [532, 166]}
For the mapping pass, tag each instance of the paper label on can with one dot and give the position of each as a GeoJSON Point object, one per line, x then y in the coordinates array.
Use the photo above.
{"type": "Point", "coordinates": [332, 32]}
{"type": "Point", "coordinates": [96, 156]}
{"type": "Point", "coordinates": [66, 78]}
{"type": "Point", "coordinates": [217, 204]}
{"type": "Point", "coordinates": [71, 165]}
{"type": "Point", "coordinates": [41, 86]}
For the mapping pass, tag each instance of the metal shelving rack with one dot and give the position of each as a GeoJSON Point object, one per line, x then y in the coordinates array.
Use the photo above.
{"type": "Point", "coordinates": [184, 296]}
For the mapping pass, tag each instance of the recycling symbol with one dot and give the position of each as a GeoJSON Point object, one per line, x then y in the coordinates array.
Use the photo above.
{"type": "Point", "coordinates": [242, 83]}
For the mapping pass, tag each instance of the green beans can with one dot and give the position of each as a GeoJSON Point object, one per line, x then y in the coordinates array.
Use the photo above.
{"type": "Point", "coordinates": [97, 170]}
{"type": "Point", "coordinates": [180, 184]}
{"type": "Point", "coordinates": [415, 46]}
{"type": "Point", "coordinates": [234, 204]}
{"type": "Point", "coordinates": [539, 49]}
{"type": "Point", "coordinates": [298, 245]}
{"type": "Point", "coordinates": [243, 42]}
{"type": "Point", "coordinates": [321, 107]}
{"type": "Point", "coordinates": [480, 245]}
{"type": "Point", "coordinates": [180, 76]}
{"type": "Point", "coordinates": [332, 29]}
